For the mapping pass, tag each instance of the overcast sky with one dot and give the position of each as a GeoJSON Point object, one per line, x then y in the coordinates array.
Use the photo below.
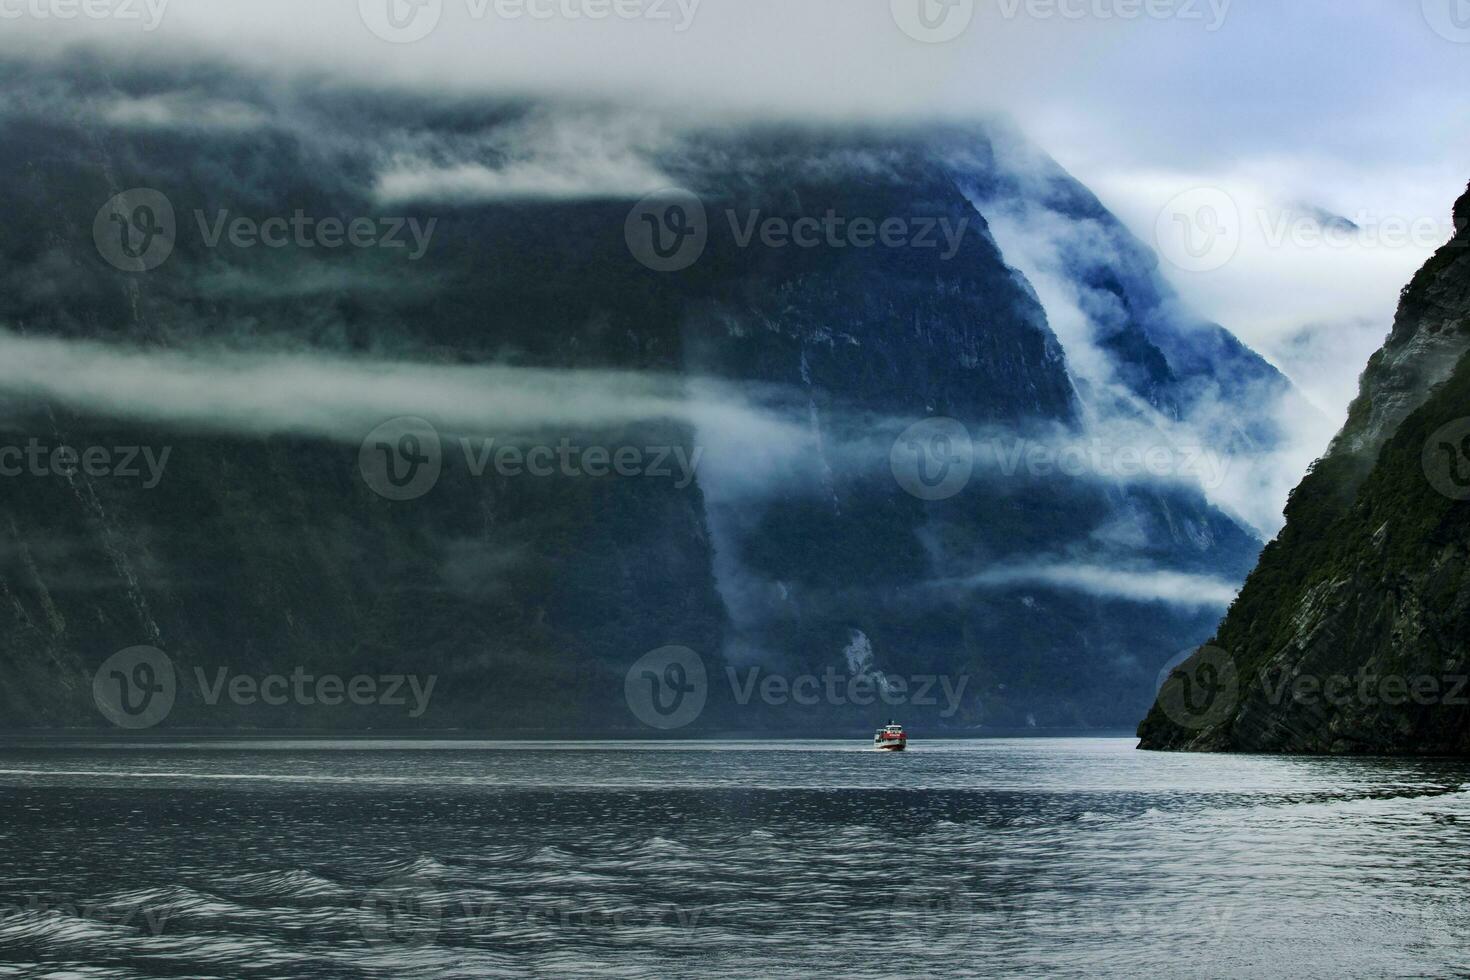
{"type": "Point", "coordinates": [1292, 109]}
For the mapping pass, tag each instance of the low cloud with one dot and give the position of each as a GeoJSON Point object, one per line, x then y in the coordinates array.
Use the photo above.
{"type": "Point", "coordinates": [1175, 588]}
{"type": "Point", "coordinates": [344, 398]}
{"type": "Point", "coordinates": [177, 110]}
{"type": "Point", "coordinates": [565, 155]}
{"type": "Point", "coordinates": [1290, 271]}
{"type": "Point", "coordinates": [1325, 360]}
{"type": "Point", "coordinates": [1215, 436]}
{"type": "Point", "coordinates": [470, 183]}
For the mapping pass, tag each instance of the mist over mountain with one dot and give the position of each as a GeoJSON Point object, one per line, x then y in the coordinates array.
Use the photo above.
{"type": "Point", "coordinates": [895, 401]}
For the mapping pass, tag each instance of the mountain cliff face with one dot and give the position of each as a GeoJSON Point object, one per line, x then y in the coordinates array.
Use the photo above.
{"type": "Point", "coordinates": [966, 586]}
{"type": "Point", "coordinates": [1351, 635]}
{"type": "Point", "coordinates": [785, 377]}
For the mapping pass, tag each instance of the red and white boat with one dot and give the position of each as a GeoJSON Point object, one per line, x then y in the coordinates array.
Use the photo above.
{"type": "Point", "coordinates": [890, 738]}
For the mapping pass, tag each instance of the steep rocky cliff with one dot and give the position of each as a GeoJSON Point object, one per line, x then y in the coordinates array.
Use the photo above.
{"type": "Point", "coordinates": [1353, 633]}
{"type": "Point", "coordinates": [529, 319]}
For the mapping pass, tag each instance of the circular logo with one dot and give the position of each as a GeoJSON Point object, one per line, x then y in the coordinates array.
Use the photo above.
{"type": "Point", "coordinates": [401, 459]}
{"type": "Point", "coordinates": [135, 230]}
{"type": "Point", "coordinates": [933, 21]}
{"type": "Point", "coordinates": [933, 459]}
{"type": "Point", "coordinates": [401, 21]}
{"type": "Point", "coordinates": [667, 230]}
{"type": "Point", "coordinates": [1447, 459]}
{"type": "Point", "coordinates": [1450, 19]}
{"type": "Point", "coordinates": [1199, 689]}
{"type": "Point", "coordinates": [1199, 230]}
{"type": "Point", "coordinates": [401, 911]}
{"type": "Point", "coordinates": [667, 688]}
{"type": "Point", "coordinates": [135, 688]}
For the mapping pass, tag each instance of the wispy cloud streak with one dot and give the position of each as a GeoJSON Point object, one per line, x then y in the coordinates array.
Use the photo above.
{"type": "Point", "coordinates": [1176, 588]}
{"type": "Point", "coordinates": [342, 398]}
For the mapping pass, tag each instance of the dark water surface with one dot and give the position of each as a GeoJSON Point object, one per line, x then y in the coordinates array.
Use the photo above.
{"type": "Point", "coordinates": [776, 859]}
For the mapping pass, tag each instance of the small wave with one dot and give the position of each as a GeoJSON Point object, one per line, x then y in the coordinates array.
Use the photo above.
{"type": "Point", "coordinates": [1024, 820]}
{"type": "Point", "coordinates": [51, 926]}
{"type": "Point", "coordinates": [422, 867]}
{"type": "Point", "coordinates": [282, 884]}
{"type": "Point", "coordinates": [551, 855]}
{"type": "Point", "coordinates": [663, 847]}
{"type": "Point", "coordinates": [165, 902]}
{"type": "Point", "coordinates": [857, 834]}
{"type": "Point", "coordinates": [70, 971]}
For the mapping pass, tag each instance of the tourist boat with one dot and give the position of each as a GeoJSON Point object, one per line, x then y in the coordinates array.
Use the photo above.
{"type": "Point", "coordinates": [890, 738]}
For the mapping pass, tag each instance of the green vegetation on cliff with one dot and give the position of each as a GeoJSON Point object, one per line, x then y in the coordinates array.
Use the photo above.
{"type": "Point", "coordinates": [1353, 633]}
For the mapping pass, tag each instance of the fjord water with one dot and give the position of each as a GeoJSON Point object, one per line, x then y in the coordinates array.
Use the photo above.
{"type": "Point", "coordinates": [774, 859]}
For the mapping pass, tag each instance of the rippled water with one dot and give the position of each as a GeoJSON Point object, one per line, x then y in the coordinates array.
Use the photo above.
{"type": "Point", "coordinates": [776, 859]}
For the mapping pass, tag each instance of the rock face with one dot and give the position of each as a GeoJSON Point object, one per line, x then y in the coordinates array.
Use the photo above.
{"type": "Point", "coordinates": [794, 549]}
{"type": "Point", "coordinates": [1353, 633]}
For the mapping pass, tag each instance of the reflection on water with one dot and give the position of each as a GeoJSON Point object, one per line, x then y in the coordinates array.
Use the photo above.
{"type": "Point", "coordinates": [1035, 857]}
